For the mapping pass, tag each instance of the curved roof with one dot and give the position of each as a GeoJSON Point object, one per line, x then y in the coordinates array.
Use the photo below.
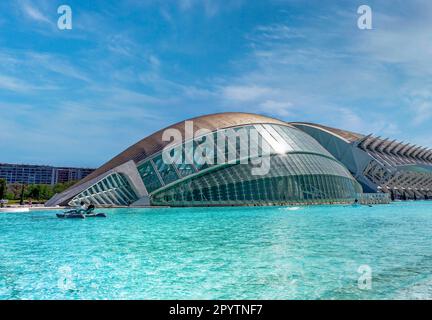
{"type": "Point", "coordinates": [153, 143]}
{"type": "Point", "coordinates": [347, 135]}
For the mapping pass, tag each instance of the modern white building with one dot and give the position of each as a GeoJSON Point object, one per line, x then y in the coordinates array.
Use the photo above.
{"type": "Point", "coordinates": [380, 165]}
{"type": "Point", "coordinates": [301, 170]}
{"type": "Point", "coordinates": [309, 164]}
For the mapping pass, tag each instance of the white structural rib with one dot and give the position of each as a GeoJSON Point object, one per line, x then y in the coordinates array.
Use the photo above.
{"type": "Point", "coordinates": [397, 148]}
{"type": "Point", "coordinates": [376, 141]}
{"type": "Point", "coordinates": [363, 143]}
{"type": "Point", "coordinates": [393, 144]}
{"type": "Point", "coordinates": [404, 149]}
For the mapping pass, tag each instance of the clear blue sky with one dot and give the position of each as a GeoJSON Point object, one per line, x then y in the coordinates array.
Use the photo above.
{"type": "Point", "coordinates": [127, 68]}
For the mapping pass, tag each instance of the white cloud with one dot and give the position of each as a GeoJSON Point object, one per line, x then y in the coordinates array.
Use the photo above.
{"type": "Point", "coordinates": [33, 13]}
{"type": "Point", "coordinates": [13, 84]}
{"type": "Point", "coordinates": [274, 32]}
{"type": "Point", "coordinates": [335, 75]}
{"type": "Point", "coordinates": [154, 61]}
{"type": "Point", "coordinates": [349, 119]}
{"type": "Point", "coordinates": [405, 43]}
{"type": "Point", "coordinates": [245, 93]}
{"type": "Point", "coordinates": [278, 108]}
{"type": "Point", "coordinates": [420, 102]}
{"type": "Point", "coordinates": [17, 85]}
{"type": "Point", "coordinates": [210, 7]}
{"type": "Point", "coordinates": [55, 64]}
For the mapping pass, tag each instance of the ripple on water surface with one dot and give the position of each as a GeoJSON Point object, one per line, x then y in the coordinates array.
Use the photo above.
{"type": "Point", "coordinates": [219, 253]}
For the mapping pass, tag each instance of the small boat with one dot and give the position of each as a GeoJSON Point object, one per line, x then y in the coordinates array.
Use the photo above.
{"type": "Point", "coordinates": [70, 215]}
{"type": "Point", "coordinates": [81, 215]}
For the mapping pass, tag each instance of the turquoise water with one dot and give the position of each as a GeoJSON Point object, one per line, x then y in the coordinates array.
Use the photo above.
{"type": "Point", "coordinates": [219, 253]}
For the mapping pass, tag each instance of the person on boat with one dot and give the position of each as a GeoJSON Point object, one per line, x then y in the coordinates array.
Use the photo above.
{"type": "Point", "coordinates": [90, 208]}
{"type": "Point", "coordinates": [82, 208]}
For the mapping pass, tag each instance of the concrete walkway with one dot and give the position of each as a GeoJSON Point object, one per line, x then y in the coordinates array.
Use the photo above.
{"type": "Point", "coordinates": [17, 209]}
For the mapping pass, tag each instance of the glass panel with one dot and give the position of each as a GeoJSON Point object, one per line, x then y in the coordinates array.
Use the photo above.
{"type": "Point", "coordinates": [200, 156]}
{"type": "Point", "coordinates": [166, 171]}
{"type": "Point", "coordinates": [185, 168]}
{"type": "Point", "coordinates": [293, 178]}
{"type": "Point", "coordinates": [149, 176]}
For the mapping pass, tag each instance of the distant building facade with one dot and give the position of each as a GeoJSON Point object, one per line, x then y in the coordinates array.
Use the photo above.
{"type": "Point", "coordinates": [36, 174]}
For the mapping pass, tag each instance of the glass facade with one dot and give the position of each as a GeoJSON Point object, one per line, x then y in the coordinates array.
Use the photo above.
{"type": "Point", "coordinates": [301, 170]}
{"type": "Point", "coordinates": [293, 178]}
{"type": "Point", "coordinates": [151, 179]}
{"type": "Point", "coordinates": [113, 190]}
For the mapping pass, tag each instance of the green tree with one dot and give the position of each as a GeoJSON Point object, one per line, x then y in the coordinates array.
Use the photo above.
{"type": "Point", "coordinates": [39, 192]}
{"type": "Point", "coordinates": [60, 187]}
{"type": "Point", "coordinates": [33, 191]}
{"type": "Point", "coordinates": [14, 189]}
{"type": "Point", "coordinates": [3, 188]}
{"type": "Point", "coordinates": [23, 187]}
{"type": "Point", "coordinates": [46, 192]}
{"type": "Point", "coordinates": [10, 196]}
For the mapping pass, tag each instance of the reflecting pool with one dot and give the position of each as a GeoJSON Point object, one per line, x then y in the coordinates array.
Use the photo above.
{"type": "Point", "coordinates": [220, 253]}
